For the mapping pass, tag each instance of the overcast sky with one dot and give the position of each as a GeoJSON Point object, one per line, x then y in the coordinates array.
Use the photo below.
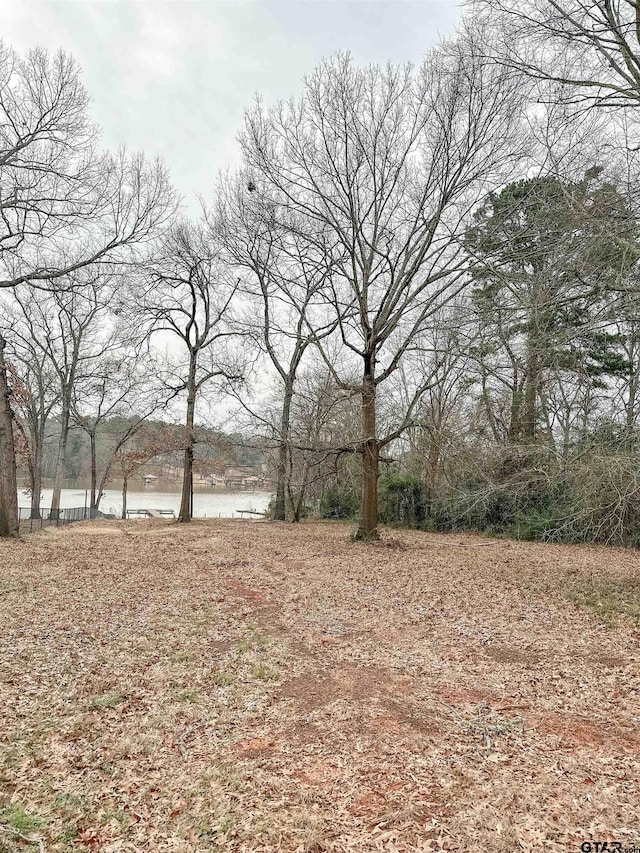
{"type": "Point", "coordinates": [173, 78]}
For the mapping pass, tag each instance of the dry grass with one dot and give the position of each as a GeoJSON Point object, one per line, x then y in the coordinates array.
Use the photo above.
{"type": "Point", "coordinates": [244, 687]}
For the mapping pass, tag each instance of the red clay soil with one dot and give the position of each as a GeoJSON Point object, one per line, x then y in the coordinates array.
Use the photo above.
{"type": "Point", "coordinates": [242, 686]}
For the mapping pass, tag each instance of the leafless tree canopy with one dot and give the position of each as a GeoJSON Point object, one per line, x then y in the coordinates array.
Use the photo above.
{"type": "Point", "coordinates": [416, 299]}
{"type": "Point", "coordinates": [65, 203]}
{"type": "Point", "coordinates": [591, 45]}
{"type": "Point", "coordinates": [187, 293]}
{"type": "Point", "coordinates": [382, 166]}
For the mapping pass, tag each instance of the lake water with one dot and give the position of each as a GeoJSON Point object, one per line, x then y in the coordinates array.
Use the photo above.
{"type": "Point", "coordinates": [205, 504]}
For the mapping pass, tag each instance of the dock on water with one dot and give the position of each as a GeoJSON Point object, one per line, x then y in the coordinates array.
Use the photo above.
{"type": "Point", "coordinates": [170, 513]}
{"type": "Point", "coordinates": [151, 513]}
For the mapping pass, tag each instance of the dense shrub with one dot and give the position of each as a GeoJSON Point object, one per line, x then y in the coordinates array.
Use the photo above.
{"type": "Point", "coordinates": [343, 503]}
{"type": "Point", "coordinates": [306, 510]}
{"type": "Point", "coordinates": [592, 497]}
{"type": "Point", "coordinates": [521, 492]}
{"type": "Point", "coordinates": [403, 501]}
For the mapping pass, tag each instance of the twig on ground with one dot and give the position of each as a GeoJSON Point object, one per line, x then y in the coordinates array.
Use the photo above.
{"type": "Point", "coordinates": [512, 708]}
{"type": "Point", "coordinates": [453, 710]}
{"type": "Point", "coordinates": [463, 544]}
{"type": "Point", "coordinates": [31, 839]}
{"type": "Point", "coordinates": [191, 730]}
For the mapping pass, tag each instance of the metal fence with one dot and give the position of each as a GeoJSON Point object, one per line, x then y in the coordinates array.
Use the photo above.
{"type": "Point", "coordinates": [48, 519]}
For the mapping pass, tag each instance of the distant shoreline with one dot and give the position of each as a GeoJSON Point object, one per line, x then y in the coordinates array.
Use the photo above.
{"type": "Point", "coordinates": [165, 487]}
{"type": "Point", "coordinates": [207, 503]}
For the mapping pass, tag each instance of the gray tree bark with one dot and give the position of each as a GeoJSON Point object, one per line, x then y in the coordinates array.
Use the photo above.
{"type": "Point", "coordinates": [9, 523]}
{"type": "Point", "coordinates": [368, 528]}
{"type": "Point", "coordinates": [187, 478]}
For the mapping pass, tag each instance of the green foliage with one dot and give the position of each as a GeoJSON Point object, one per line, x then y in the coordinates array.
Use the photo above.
{"type": "Point", "coordinates": [609, 599]}
{"type": "Point", "coordinates": [586, 222]}
{"type": "Point", "coordinates": [592, 495]}
{"type": "Point", "coordinates": [544, 254]}
{"type": "Point", "coordinates": [533, 524]}
{"type": "Point", "coordinates": [108, 700]}
{"type": "Point", "coordinates": [340, 503]}
{"type": "Point", "coordinates": [403, 501]}
{"type": "Point", "coordinates": [17, 818]}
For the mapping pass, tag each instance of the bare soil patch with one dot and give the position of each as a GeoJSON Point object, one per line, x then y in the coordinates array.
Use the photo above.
{"type": "Point", "coordinates": [251, 687]}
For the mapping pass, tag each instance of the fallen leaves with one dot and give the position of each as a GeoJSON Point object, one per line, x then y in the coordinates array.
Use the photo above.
{"type": "Point", "coordinates": [241, 687]}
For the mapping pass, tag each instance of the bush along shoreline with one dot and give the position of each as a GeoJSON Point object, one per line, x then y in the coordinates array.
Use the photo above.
{"type": "Point", "coordinates": [592, 498]}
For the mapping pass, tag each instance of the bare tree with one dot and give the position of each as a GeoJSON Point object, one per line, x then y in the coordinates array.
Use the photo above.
{"type": "Point", "coordinates": [137, 448]}
{"type": "Point", "coordinates": [386, 165]}
{"type": "Point", "coordinates": [73, 330]}
{"type": "Point", "coordinates": [64, 205]}
{"type": "Point", "coordinates": [188, 294]}
{"type": "Point", "coordinates": [592, 46]}
{"type": "Point", "coordinates": [282, 277]}
{"type": "Point", "coordinates": [33, 409]}
{"type": "Point", "coordinates": [444, 356]}
{"type": "Point", "coordinates": [323, 416]}
{"type": "Point", "coordinates": [8, 482]}
{"type": "Point", "coordinates": [113, 404]}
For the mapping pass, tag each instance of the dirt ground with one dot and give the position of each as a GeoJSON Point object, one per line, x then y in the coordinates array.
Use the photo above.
{"type": "Point", "coordinates": [242, 686]}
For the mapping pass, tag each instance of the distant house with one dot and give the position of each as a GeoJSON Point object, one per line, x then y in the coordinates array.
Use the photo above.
{"type": "Point", "coordinates": [242, 478]}
{"type": "Point", "coordinates": [209, 468]}
{"type": "Point", "coordinates": [149, 479]}
{"type": "Point", "coordinates": [233, 478]}
{"type": "Point", "coordinates": [214, 480]}
{"type": "Point", "coordinates": [252, 482]}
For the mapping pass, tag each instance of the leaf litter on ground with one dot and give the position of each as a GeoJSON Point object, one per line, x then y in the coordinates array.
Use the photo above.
{"type": "Point", "coordinates": [243, 686]}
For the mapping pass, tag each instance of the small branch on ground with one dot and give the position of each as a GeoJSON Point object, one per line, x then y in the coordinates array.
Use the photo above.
{"type": "Point", "coordinates": [191, 730]}
{"type": "Point", "coordinates": [28, 838]}
{"type": "Point", "coordinates": [463, 544]}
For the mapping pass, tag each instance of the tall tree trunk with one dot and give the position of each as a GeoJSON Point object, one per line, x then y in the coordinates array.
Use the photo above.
{"type": "Point", "coordinates": [513, 430]}
{"type": "Point", "coordinates": [106, 471]}
{"type": "Point", "coordinates": [630, 413]}
{"type": "Point", "coordinates": [368, 528]}
{"type": "Point", "coordinates": [125, 483]}
{"type": "Point", "coordinates": [61, 457]}
{"type": "Point", "coordinates": [531, 383]}
{"type": "Point", "coordinates": [280, 509]}
{"type": "Point", "coordinates": [297, 504]}
{"type": "Point", "coordinates": [9, 524]}
{"type": "Point", "coordinates": [36, 476]}
{"type": "Point", "coordinates": [100, 488]}
{"type": "Point", "coordinates": [187, 478]}
{"type": "Point", "coordinates": [93, 511]}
